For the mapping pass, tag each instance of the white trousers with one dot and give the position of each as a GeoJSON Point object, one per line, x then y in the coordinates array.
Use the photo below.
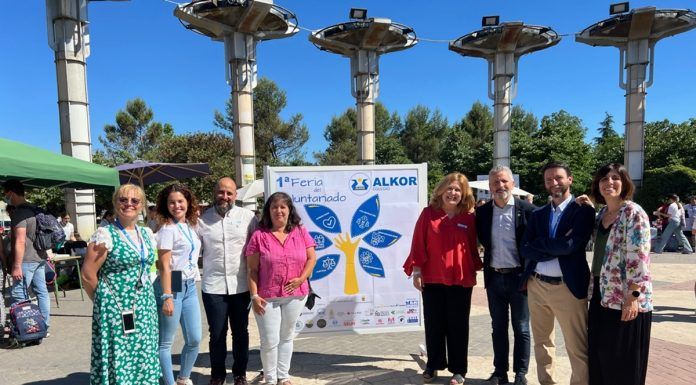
{"type": "Point", "coordinates": [277, 331]}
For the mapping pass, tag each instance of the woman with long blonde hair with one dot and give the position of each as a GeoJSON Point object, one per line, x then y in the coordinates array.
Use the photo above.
{"type": "Point", "coordinates": [443, 264]}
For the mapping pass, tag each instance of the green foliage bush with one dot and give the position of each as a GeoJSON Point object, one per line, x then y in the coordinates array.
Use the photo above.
{"type": "Point", "coordinates": [658, 182]}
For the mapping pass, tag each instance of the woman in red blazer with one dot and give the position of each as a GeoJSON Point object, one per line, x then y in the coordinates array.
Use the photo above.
{"type": "Point", "coordinates": [443, 264]}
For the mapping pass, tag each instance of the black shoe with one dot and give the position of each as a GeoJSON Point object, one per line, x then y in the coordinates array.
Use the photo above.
{"type": "Point", "coordinates": [497, 379]}
{"type": "Point", "coordinates": [520, 379]}
{"type": "Point", "coordinates": [429, 375]}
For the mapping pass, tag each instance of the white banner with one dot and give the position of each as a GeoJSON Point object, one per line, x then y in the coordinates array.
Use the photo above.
{"type": "Point", "coordinates": [362, 219]}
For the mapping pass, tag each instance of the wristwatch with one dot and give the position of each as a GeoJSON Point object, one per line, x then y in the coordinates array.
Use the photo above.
{"type": "Point", "coordinates": [635, 293]}
{"type": "Point", "coordinates": [164, 297]}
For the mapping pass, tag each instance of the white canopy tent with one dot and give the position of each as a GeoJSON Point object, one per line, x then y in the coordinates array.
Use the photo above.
{"type": "Point", "coordinates": [483, 185]}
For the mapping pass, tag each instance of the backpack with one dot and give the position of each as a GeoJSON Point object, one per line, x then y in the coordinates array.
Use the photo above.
{"type": "Point", "coordinates": [49, 233]}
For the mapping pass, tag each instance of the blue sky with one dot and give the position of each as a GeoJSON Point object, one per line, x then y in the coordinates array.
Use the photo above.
{"type": "Point", "coordinates": [139, 49]}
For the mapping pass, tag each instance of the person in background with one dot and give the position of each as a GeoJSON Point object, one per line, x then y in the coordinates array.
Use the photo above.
{"type": "Point", "coordinates": [690, 214]}
{"type": "Point", "coordinates": [675, 214]}
{"type": "Point", "coordinates": [107, 219]}
{"type": "Point", "coordinates": [480, 202]}
{"type": "Point", "coordinates": [621, 296]}
{"type": "Point", "coordinates": [280, 258]}
{"type": "Point", "coordinates": [443, 262]}
{"type": "Point", "coordinates": [179, 248]}
{"type": "Point", "coordinates": [500, 225]}
{"type": "Point", "coordinates": [28, 263]}
{"type": "Point", "coordinates": [224, 230]}
{"type": "Point", "coordinates": [530, 198]}
{"type": "Point", "coordinates": [152, 221]}
{"type": "Point", "coordinates": [68, 227]}
{"type": "Point", "coordinates": [124, 312]}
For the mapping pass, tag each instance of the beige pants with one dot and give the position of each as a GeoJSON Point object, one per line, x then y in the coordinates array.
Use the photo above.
{"type": "Point", "coordinates": [546, 303]}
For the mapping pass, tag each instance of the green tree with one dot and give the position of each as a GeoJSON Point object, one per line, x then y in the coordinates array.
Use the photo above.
{"type": "Point", "coordinates": [658, 182]}
{"type": "Point", "coordinates": [134, 136]}
{"type": "Point", "coordinates": [668, 143]}
{"type": "Point", "coordinates": [277, 141]}
{"type": "Point", "coordinates": [342, 133]}
{"type": "Point", "coordinates": [216, 149]}
{"type": "Point", "coordinates": [422, 134]}
{"type": "Point", "coordinates": [478, 123]}
{"type": "Point", "coordinates": [608, 146]}
{"type": "Point", "coordinates": [561, 137]}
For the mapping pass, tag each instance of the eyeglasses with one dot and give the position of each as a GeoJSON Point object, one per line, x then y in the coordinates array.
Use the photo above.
{"type": "Point", "coordinates": [125, 201]}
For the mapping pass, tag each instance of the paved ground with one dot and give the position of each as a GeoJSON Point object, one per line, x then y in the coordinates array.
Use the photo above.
{"type": "Point", "coordinates": [385, 359]}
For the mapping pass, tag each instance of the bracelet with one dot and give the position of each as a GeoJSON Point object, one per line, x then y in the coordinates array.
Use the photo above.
{"type": "Point", "coordinates": [416, 275]}
{"type": "Point", "coordinates": [165, 297]}
{"type": "Point", "coordinates": [255, 296]}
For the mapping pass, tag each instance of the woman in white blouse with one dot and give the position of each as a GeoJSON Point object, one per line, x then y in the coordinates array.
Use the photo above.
{"type": "Point", "coordinates": [175, 288]}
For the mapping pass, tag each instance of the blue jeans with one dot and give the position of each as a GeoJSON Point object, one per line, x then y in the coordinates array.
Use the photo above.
{"type": "Point", "coordinates": [187, 313]}
{"type": "Point", "coordinates": [673, 227]}
{"type": "Point", "coordinates": [34, 276]}
{"type": "Point", "coordinates": [503, 294]}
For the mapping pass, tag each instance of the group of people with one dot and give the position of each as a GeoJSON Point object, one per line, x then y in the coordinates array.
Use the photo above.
{"type": "Point", "coordinates": [247, 264]}
{"type": "Point", "coordinates": [536, 273]}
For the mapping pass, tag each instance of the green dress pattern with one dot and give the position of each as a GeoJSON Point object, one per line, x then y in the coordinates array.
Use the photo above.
{"type": "Point", "coordinates": [119, 358]}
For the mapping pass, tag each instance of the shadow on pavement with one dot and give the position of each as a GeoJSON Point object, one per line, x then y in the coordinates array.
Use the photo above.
{"type": "Point", "coordinates": [71, 379]}
{"type": "Point", "coordinates": [673, 314]}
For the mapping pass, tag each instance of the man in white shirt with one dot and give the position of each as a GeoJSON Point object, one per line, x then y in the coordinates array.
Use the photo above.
{"type": "Point", "coordinates": [224, 230]}
{"type": "Point", "coordinates": [674, 226]}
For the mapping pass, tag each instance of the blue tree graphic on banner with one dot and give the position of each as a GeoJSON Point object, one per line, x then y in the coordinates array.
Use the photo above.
{"type": "Point", "coordinates": [364, 218]}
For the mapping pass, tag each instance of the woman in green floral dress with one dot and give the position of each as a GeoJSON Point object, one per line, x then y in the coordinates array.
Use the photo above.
{"type": "Point", "coordinates": [116, 277]}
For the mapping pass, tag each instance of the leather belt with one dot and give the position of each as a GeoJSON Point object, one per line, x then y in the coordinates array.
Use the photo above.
{"type": "Point", "coordinates": [547, 279]}
{"type": "Point", "coordinates": [507, 270]}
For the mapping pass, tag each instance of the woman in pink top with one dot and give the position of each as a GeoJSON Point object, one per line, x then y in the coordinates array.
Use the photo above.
{"type": "Point", "coordinates": [280, 258]}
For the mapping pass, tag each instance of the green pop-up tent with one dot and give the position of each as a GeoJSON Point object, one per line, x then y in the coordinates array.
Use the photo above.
{"type": "Point", "coordinates": [41, 168]}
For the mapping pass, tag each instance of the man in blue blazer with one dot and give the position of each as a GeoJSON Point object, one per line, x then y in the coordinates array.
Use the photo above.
{"type": "Point", "coordinates": [500, 225]}
{"type": "Point", "coordinates": [558, 275]}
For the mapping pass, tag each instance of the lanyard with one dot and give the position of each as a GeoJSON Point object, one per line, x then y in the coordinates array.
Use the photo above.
{"type": "Point", "coordinates": [143, 259]}
{"type": "Point", "coordinates": [189, 237]}
{"type": "Point", "coordinates": [553, 225]}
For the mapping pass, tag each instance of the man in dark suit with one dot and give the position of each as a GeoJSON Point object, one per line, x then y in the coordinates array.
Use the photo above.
{"type": "Point", "coordinates": [500, 225]}
{"type": "Point", "coordinates": [558, 275]}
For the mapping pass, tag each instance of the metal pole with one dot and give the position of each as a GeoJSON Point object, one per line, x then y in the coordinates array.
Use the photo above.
{"type": "Point", "coordinates": [364, 68]}
{"type": "Point", "coordinates": [637, 55]}
{"type": "Point", "coordinates": [502, 72]}
{"type": "Point", "coordinates": [67, 24]}
{"type": "Point", "coordinates": [240, 58]}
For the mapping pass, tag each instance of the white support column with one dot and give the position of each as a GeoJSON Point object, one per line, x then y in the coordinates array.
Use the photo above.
{"type": "Point", "coordinates": [364, 72]}
{"type": "Point", "coordinates": [501, 71]}
{"type": "Point", "coordinates": [637, 60]}
{"type": "Point", "coordinates": [69, 39]}
{"type": "Point", "coordinates": [240, 58]}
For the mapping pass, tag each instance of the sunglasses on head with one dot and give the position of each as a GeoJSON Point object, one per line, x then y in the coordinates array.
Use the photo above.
{"type": "Point", "coordinates": [133, 201]}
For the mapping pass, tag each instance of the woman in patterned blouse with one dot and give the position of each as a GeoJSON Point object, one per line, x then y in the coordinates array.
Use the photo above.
{"type": "Point", "coordinates": [621, 294]}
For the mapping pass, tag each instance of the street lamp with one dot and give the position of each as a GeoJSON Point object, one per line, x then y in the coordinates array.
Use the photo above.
{"type": "Point", "coordinates": [502, 45]}
{"type": "Point", "coordinates": [363, 41]}
{"type": "Point", "coordinates": [240, 24]}
{"type": "Point", "coordinates": [635, 35]}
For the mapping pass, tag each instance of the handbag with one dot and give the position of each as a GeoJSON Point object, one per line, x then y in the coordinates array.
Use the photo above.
{"type": "Point", "coordinates": [311, 297]}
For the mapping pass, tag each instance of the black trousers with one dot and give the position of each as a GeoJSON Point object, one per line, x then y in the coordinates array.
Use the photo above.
{"type": "Point", "coordinates": [221, 309]}
{"type": "Point", "coordinates": [446, 314]}
{"type": "Point", "coordinates": [507, 303]}
{"type": "Point", "coordinates": [618, 350]}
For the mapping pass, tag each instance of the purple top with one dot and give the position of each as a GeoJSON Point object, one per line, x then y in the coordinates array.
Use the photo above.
{"type": "Point", "coordinates": [280, 262]}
